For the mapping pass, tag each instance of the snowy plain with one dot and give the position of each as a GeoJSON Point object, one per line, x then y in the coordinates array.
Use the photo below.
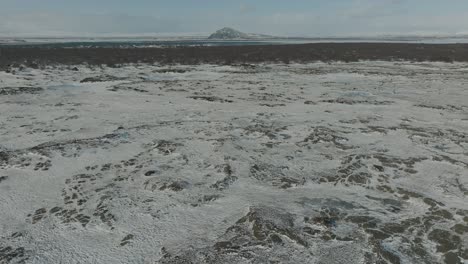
{"type": "Point", "coordinates": [363, 162]}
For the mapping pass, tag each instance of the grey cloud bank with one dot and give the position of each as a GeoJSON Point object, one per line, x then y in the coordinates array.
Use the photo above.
{"type": "Point", "coordinates": [362, 18]}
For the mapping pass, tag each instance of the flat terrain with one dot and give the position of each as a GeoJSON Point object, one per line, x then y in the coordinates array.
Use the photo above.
{"type": "Point", "coordinates": [39, 57]}
{"type": "Point", "coordinates": [362, 162]}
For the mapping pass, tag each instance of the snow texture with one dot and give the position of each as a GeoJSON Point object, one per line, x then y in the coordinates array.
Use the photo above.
{"type": "Point", "coordinates": [362, 162]}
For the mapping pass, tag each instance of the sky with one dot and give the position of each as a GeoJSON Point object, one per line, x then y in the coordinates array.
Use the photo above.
{"type": "Point", "coordinates": [313, 18]}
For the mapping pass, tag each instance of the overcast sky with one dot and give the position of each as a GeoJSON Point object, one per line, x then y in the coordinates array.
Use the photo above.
{"type": "Point", "coordinates": [275, 17]}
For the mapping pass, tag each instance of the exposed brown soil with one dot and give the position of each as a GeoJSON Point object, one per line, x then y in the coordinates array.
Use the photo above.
{"type": "Point", "coordinates": [36, 56]}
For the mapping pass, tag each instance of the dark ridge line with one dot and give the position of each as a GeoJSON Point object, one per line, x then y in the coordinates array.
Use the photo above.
{"type": "Point", "coordinates": [37, 57]}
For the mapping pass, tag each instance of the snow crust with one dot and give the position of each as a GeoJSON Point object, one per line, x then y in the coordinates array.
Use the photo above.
{"type": "Point", "coordinates": [302, 163]}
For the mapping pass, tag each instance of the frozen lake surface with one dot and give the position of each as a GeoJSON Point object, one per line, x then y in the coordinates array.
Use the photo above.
{"type": "Point", "coordinates": [141, 42]}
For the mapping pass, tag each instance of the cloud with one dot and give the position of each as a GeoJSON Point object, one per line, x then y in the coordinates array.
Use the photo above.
{"type": "Point", "coordinates": [246, 8]}
{"type": "Point", "coordinates": [372, 8]}
{"type": "Point", "coordinates": [38, 24]}
{"type": "Point", "coordinates": [353, 18]}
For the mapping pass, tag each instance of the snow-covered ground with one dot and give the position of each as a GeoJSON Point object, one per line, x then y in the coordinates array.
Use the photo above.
{"type": "Point", "coordinates": [318, 163]}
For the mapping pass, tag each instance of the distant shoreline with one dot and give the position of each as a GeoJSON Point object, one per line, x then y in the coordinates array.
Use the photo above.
{"type": "Point", "coordinates": [116, 42]}
{"type": "Point", "coordinates": [299, 53]}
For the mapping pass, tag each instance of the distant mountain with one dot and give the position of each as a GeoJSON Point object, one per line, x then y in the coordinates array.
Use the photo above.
{"type": "Point", "coordinates": [229, 33]}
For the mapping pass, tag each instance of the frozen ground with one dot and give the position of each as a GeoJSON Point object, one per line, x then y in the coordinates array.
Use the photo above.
{"type": "Point", "coordinates": [319, 163]}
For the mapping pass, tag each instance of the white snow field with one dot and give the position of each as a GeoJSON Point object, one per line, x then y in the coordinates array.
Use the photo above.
{"type": "Point", "coordinates": [362, 162]}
